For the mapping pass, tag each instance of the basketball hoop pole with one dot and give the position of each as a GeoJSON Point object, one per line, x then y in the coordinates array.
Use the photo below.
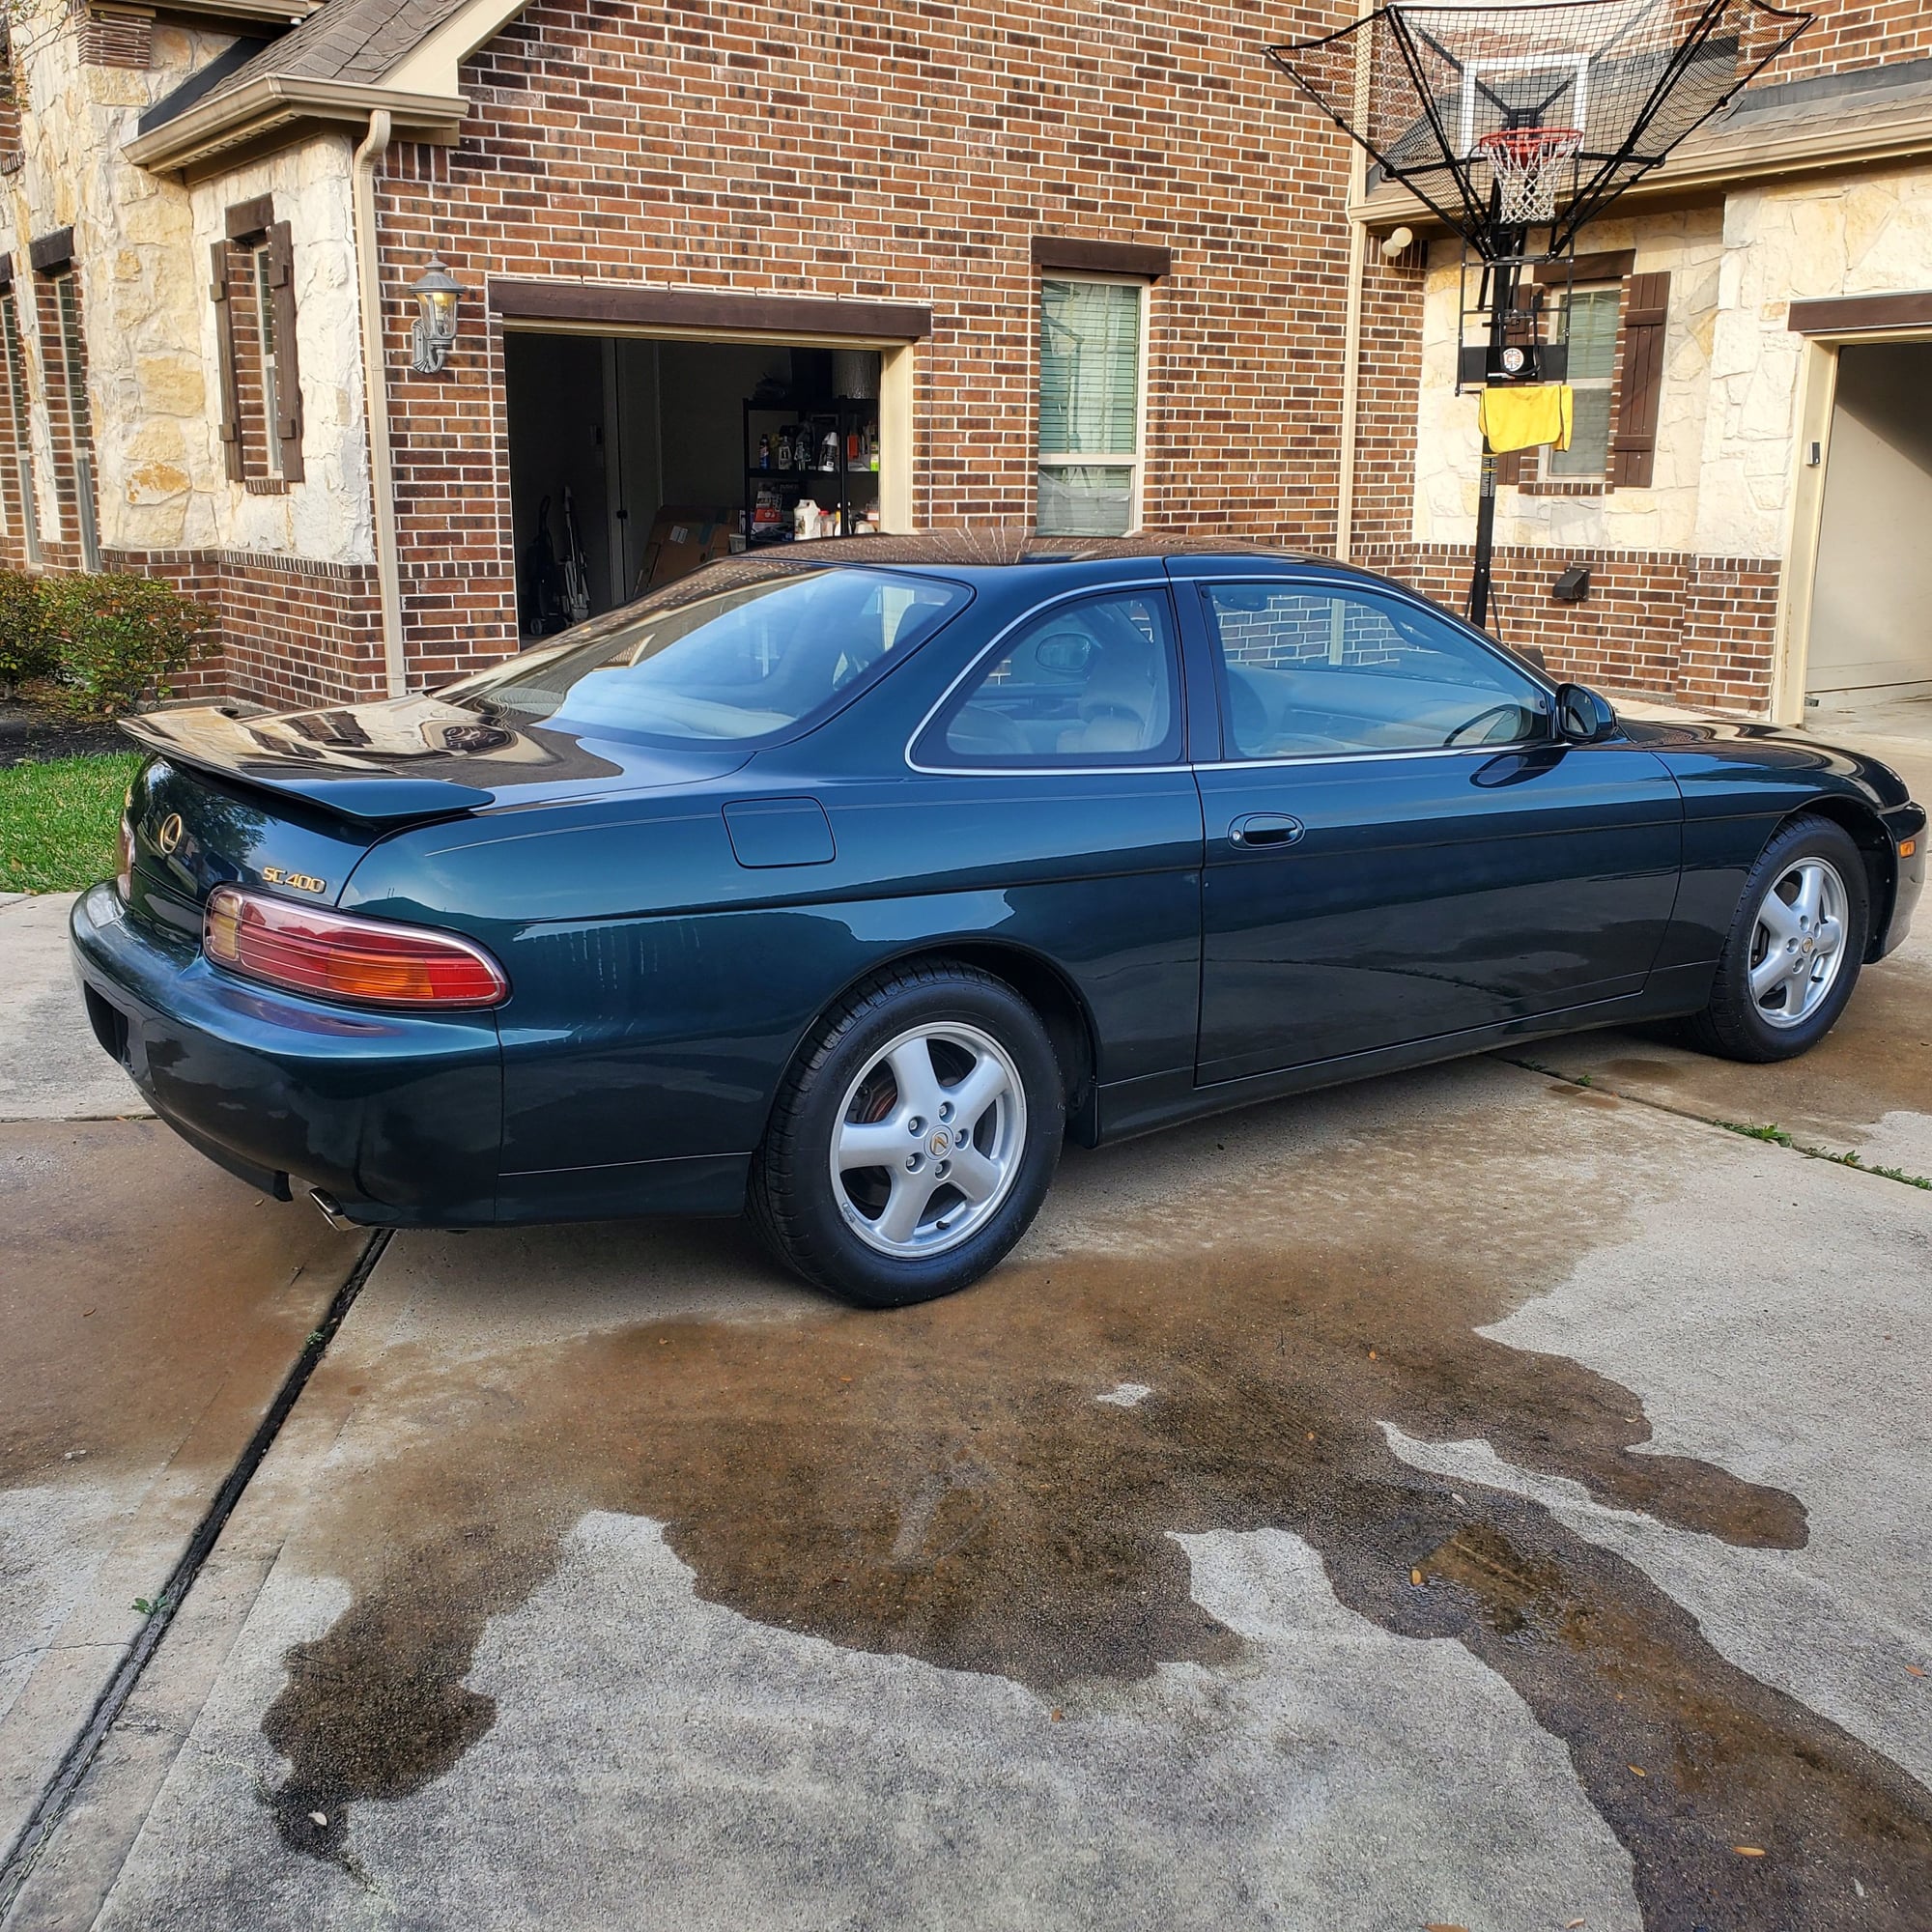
{"type": "Point", "coordinates": [1502, 306]}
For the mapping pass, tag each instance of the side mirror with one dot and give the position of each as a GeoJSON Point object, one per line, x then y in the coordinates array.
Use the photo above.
{"type": "Point", "coordinates": [1582, 716]}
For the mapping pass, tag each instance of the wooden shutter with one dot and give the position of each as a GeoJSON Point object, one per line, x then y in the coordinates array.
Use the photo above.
{"type": "Point", "coordinates": [287, 403]}
{"type": "Point", "coordinates": [1640, 387]}
{"type": "Point", "coordinates": [224, 347]}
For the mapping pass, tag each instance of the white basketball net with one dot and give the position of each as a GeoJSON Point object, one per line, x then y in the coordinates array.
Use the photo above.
{"type": "Point", "coordinates": [1526, 165]}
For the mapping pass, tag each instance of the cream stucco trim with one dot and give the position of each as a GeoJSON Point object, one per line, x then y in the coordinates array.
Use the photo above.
{"type": "Point", "coordinates": [899, 372]}
{"type": "Point", "coordinates": [1791, 633]}
{"type": "Point", "coordinates": [430, 66]}
{"type": "Point", "coordinates": [1817, 394]}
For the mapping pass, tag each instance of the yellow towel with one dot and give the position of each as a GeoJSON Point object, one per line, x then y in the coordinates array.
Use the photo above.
{"type": "Point", "coordinates": [1520, 418]}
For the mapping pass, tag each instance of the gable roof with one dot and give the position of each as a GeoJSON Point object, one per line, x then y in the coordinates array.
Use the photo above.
{"type": "Point", "coordinates": [339, 65]}
{"type": "Point", "coordinates": [350, 40]}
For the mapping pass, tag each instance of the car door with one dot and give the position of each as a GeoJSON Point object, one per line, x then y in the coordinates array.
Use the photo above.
{"type": "Point", "coordinates": [1398, 847]}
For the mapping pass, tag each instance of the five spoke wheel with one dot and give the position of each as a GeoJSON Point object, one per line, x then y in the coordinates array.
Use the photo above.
{"type": "Point", "coordinates": [928, 1140]}
{"type": "Point", "coordinates": [1799, 943]}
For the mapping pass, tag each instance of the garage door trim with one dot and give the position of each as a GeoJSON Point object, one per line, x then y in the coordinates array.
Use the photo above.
{"type": "Point", "coordinates": [706, 311]}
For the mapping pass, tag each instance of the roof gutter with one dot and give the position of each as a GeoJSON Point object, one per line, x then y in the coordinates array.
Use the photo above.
{"type": "Point", "coordinates": [276, 103]}
{"type": "Point", "coordinates": [375, 390]}
{"type": "Point", "coordinates": [1742, 151]}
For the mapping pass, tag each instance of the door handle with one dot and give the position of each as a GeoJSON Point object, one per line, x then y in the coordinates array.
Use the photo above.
{"type": "Point", "coordinates": [1265, 828]}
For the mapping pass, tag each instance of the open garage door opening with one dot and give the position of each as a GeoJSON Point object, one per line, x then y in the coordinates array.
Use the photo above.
{"type": "Point", "coordinates": [633, 460]}
{"type": "Point", "coordinates": [1871, 607]}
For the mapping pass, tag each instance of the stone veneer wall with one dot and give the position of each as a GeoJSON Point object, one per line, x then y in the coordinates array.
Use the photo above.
{"type": "Point", "coordinates": [1686, 573]}
{"type": "Point", "coordinates": [291, 570]}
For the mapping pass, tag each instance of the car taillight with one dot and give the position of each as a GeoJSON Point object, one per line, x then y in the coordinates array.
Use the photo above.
{"type": "Point", "coordinates": [369, 962]}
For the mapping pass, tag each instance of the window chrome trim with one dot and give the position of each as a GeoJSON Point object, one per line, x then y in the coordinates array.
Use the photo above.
{"type": "Point", "coordinates": [1087, 592]}
{"type": "Point", "coordinates": [1171, 585]}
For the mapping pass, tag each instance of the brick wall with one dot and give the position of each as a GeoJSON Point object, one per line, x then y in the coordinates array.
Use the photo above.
{"type": "Point", "coordinates": [1693, 629]}
{"type": "Point", "coordinates": [865, 151]}
{"type": "Point", "coordinates": [291, 632]}
{"type": "Point", "coordinates": [63, 345]}
{"type": "Point", "coordinates": [1846, 34]}
{"type": "Point", "coordinates": [16, 439]}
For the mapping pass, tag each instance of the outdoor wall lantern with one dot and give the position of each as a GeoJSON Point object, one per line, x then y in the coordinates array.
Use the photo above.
{"type": "Point", "coordinates": [435, 333]}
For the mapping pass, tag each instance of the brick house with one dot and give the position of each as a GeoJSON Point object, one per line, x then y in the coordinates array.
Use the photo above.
{"type": "Point", "coordinates": [705, 251]}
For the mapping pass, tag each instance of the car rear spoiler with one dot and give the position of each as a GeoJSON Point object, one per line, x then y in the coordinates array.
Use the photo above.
{"type": "Point", "coordinates": [373, 798]}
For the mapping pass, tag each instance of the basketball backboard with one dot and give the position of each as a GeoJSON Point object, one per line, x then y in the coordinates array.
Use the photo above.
{"type": "Point", "coordinates": [1509, 91]}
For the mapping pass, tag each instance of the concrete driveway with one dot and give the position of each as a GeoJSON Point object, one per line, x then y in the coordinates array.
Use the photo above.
{"type": "Point", "coordinates": [1476, 1498]}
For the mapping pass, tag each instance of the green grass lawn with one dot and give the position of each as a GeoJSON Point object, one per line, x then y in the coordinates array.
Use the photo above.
{"type": "Point", "coordinates": [58, 821]}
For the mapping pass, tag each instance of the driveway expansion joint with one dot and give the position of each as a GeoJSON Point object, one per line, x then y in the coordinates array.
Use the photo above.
{"type": "Point", "coordinates": [61, 1788]}
{"type": "Point", "coordinates": [1770, 1133]}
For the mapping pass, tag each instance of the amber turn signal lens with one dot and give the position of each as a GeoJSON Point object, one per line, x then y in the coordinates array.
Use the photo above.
{"type": "Point", "coordinates": [332, 955]}
{"type": "Point", "coordinates": [1907, 847]}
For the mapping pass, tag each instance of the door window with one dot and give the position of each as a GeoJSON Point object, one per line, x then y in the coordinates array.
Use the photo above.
{"type": "Point", "coordinates": [1089, 683]}
{"type": "Point", "coordinates": [1306, 670]}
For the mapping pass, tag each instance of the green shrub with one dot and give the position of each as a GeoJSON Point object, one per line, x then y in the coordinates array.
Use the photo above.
{"type": "Point", "coordinates": [120, 638]}
{"type": "Point", "coordinates": [26, 650]}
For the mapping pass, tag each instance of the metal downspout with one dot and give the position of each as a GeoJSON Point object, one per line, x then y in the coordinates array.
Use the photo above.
{"type": "Point", "coordinates": [1352, 389]}
{"type": "Point", "coordinates": [376, 392]}
{"type": "Point", "coordinates": [1351, 314]}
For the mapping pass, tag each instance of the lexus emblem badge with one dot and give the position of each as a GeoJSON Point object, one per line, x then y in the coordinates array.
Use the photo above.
{"type": "Point", "coordinates": [170, 833]}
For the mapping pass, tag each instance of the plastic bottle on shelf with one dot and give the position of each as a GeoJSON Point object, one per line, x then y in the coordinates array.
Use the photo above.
{"type": "Point", "coordinates": [872, 447]}
{"type": "Point", "coordinates": [827, 450]}
{"type": "Point", "coordinates": [764, 452]}
{"type": "Point", "coordinates": [785, 449]}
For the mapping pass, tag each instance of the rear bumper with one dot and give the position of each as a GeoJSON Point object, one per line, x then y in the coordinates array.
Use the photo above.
{"type": "Point", "coordinates": [1903, 822]}
{"type": "Point", "coordinates": [397, 1116]}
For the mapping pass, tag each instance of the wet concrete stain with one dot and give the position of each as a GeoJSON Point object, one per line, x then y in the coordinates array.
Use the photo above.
{"type": "Point", "coordinates": [943, 1483]}
{"type": "Point", "coordinates": [149, 1301]}
{"type": "Point", "coordinates": [1876, 1060]}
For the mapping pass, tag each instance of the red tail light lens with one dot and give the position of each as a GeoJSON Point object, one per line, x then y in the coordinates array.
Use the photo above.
{"type": "Point", "coordinates": [368, 962]}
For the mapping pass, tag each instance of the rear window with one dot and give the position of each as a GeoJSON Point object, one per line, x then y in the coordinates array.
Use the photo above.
{"type": "Point", "coordinates": [749, 661]}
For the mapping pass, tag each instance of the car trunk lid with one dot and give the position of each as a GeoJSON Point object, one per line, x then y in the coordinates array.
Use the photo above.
{"type": "Point", "coordinates": [291, 800]}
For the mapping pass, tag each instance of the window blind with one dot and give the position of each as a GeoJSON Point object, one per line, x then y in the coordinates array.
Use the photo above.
{"type": "Point", "coordinates": [1090, 362]}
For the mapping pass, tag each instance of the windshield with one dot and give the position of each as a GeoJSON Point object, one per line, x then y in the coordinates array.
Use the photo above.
{"type": "Point", "coordinates": [746, 662]}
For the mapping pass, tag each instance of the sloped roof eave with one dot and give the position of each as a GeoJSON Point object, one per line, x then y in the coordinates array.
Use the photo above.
{"type": "Point", "coordinates": [1735, 153]}
{"type": "Point", "coordinates": [275, 103]}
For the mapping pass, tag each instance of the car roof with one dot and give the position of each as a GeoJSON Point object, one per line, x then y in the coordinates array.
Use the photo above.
{"type": "Point", "coordinates": [970, 552]}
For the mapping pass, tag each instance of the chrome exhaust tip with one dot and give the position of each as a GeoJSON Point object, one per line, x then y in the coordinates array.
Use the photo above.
{"type": "Point", "coordinates": [331, 1212]}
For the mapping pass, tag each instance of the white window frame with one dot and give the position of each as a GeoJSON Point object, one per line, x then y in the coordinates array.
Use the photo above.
{"type": "Point", "coordinates": [1544, 467]}
{"type": "Point", "coordinates": [1136, 463]}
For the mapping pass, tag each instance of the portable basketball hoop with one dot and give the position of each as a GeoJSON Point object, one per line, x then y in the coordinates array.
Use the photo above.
{"type": "Point", "coordinates": [1525, 167]}
{"type": "Point", "coordinates": [1515, 121]}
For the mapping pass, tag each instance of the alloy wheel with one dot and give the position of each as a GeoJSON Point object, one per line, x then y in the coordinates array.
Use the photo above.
{"type": "Point", "coordinates": [928, 1140]}
{"type": "Point", "coordinates": [1798, 945]}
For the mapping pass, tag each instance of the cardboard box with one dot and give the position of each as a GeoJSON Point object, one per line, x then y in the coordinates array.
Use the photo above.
{"type": "Point", "coordinates": [681, 539]}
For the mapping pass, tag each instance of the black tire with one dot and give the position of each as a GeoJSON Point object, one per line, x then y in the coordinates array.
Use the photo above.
{"type": "Point", "coordinates": [1733, 1025]}
{"type": "Point", "coordinates": [793, 1201]}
